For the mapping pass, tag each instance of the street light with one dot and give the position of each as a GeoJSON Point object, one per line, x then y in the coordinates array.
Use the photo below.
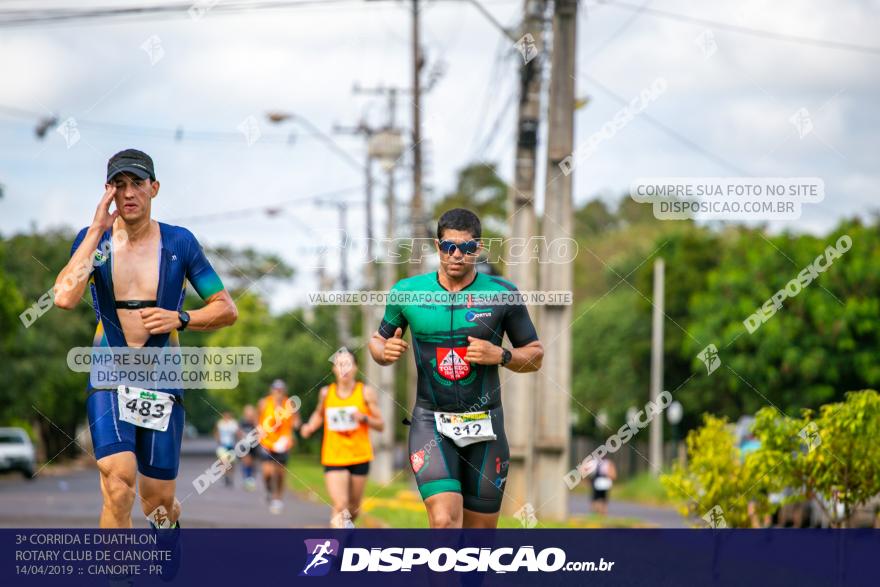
{"type": "Point", "coordinates": [278, 117]}
{"type": "Point", "coordinates": [386, 147]}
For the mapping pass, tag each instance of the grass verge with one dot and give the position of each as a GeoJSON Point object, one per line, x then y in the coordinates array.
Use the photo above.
{"type": "Point", "coordinates": [396, 505]}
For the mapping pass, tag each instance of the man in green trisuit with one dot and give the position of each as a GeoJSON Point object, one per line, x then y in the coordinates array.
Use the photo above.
{"type": "Point", "coordinates": [458, 449]}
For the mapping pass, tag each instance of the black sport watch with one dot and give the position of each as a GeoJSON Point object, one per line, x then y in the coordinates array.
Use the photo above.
{"type": "Point", "coordinates": [506, 355]}
{"type": "Point", "coordinates": [184, 320]}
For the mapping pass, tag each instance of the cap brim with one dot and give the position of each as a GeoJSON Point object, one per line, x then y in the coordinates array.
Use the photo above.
{"type": "Point", "coordinates": [136, 171]}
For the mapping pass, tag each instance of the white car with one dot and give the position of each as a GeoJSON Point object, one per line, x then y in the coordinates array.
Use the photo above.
{"type": "Point", "coordinates": [17, 452]}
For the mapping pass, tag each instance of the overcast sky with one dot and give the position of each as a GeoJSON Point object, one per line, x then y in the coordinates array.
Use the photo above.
{"type": "Point", "coordinates": [726, 110]}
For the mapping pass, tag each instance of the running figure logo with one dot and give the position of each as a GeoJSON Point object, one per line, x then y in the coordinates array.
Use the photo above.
{"type": "Point", "coordinates": [320, 553]}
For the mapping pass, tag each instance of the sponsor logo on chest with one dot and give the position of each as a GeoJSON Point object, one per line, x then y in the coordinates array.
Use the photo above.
{"type": "Point", "coordinates": [451, 364]}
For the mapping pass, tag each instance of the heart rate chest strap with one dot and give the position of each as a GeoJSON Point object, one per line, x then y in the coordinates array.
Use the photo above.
{"type": "Point", "coordinates": [135, 304]}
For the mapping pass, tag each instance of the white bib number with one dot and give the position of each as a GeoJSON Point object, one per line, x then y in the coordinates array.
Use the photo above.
{"type": "Point", "coordinates": [283, 444]}
{"type": "Point", "coordinates": [342, 419]}
{"type": "Point", "coordinates": [602, 483]}
{"type": "Point", "coordinates": [465, 428]}
{"type": "Point", "coordinates": [145, 408]}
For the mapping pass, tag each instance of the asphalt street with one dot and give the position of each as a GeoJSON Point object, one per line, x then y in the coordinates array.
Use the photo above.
{"type": "Point", "coordinates": [71, 499]}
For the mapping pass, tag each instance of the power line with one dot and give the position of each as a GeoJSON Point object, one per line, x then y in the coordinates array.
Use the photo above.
{"type": "Point", "coordinates": [491, 82]}
{"type": "Point", "coordinates": [632, 18]}
{"type": "Point", "coordinates": [482, 9]}
{"type": "Point", "coordinates": [269, 209]}
{"type": "Point", "coordinates": [177, 134]}
{"type": "Point", "coordinates": [669, 131]}
{"type": "Point", "coordinates": [493, 132]}
{"type": "Point", "coordinates": [25, 17]}
{"type": "Point", "coordinates": [745, 30]}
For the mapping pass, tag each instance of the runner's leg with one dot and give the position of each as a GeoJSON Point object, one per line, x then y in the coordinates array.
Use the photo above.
{"type": "Point", "coordinates": [117, 472]}
{"type": "Point", "coordinates": [268, 478]}
{"type": "Point", "coordinates": [159, 492]}
{"type": "Point", "coordinates": [278, 473]}
{"type": "Point", "coordinates": [337, 482]}
{"type": "Point", "coordinates": [484, 467]}
{"type": "Point", "coordinates": [478, 520]}
{"type": "Point", "coordinates": [435, 462]}
{"type": "Point", "coordinates": [356, 494]}
{"type": "Point", "coordinates": [445, 510]}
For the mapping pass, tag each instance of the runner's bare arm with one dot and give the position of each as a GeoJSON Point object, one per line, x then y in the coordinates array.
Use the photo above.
{"type": "Point", "coordinates": [386, 351]}
{"type": "Point", "coordinates": [374, 418]}
{"type": "Point", "coordinates": [70, 285]}
{"type": "Point", "coordinates": [524, 359]}
{"type": "Point", "coordinates": [317, 417]}
{"type": "Point", "coordinates": [218, 311]}
{"type": "Point", "coordinates": [297, 420]}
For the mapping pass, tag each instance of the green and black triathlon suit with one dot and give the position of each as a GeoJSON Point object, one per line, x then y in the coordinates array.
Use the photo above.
{"type": "Point", "coordinates": [441, 322]}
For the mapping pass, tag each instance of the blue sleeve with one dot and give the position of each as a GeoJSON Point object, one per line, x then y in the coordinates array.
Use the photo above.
{"type": "Point", "coordinates": [199, 271]}
{"type": "Point", "coordinates": [78, 240]}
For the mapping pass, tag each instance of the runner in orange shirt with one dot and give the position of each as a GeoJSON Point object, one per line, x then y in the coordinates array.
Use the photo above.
{"type": "Point", "coordinates": [347, 409]}
{"type": "Point", "coordinates": [278, 419]}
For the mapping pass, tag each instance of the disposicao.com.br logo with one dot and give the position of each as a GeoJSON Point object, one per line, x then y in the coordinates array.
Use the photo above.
{"type": "Point", "coordinates": [444, 559]}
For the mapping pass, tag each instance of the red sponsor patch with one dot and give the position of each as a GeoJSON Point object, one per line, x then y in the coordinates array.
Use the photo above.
{"type": "Point", "coordinates": [451, 364]}
{"type": "Point", "coordinates": [497, 465]}
{"type": "Point", "coordinates": [417, 460]}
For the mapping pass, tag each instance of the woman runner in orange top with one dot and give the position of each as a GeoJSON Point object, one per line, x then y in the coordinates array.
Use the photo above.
{"type": "Point", "coordinates": [347, 409]}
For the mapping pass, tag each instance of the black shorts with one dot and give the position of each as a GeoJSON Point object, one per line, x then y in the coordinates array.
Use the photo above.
{"type": "Point", "coordinates": [270, 455]}
{"type": "Point", "coordinates": [477, 471]}
{"type": "Point", "coordinates": [358, 469]}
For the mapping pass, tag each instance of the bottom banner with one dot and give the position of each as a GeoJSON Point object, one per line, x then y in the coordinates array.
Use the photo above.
{"type": "Point", "coordinates": [440, 557]}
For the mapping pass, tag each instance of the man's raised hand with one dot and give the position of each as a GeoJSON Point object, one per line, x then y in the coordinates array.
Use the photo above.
{"type": "Point", "coordinates": [103, 218]}
{"type": "Point", "coordinates": [482, 352]}
{"type": "Point", "coordinates": [394, 346]}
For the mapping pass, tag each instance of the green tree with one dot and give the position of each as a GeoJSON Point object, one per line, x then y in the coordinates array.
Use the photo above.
{"type": "Point", "coordinates": [41, 389]}
{"type": "Point", "coordinates": [831, 457]}
{"type": "Point", "coordinates": [610, 344]}
{"type": "Point", "coordinates": [717, 475]}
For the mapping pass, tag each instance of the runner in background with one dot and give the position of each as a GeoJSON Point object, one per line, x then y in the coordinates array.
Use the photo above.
{"type": "Point", "coordinates": [602, 478]}
{"type": "Point", "coordinates": [347, 409]}
{"type": "Point", "coordinates": [245, 426]}
{"type": "Point", "coordinates": [278, 419]}
{"type": "Point", "coordinates": [225, 433]}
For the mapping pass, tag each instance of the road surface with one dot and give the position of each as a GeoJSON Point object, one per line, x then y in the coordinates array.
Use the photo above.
{"type": "Point", "coordinates": [72, 499]}
{"type": "Point", "coordinates": [579, 503]}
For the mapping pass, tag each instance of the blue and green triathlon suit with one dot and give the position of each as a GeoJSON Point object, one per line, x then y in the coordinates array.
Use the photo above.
{"type": "Point", "coordinates": [441, 322]}
{"type": "Point", "coordinates": [180, 258]}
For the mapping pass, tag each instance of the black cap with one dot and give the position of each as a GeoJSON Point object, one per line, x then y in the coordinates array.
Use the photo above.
{"type": "Point", "coordinates": [131, 161]}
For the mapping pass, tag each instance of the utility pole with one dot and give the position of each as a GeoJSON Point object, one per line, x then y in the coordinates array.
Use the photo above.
{"type": "Point", "coordinates": [362, 129]}
{"type": "Point", "coordinates": [343, 316]}
{"type": "Point", "coordinates": [553, 400]}
{"type": "Point", "coordinates": [420, 222]}
{"type": "Point", "coordinates": [655, 448]}
{"type": "Point", "coordinates": [384, 146]}
{"type": "Point", "coordinates": [520, 390]}
{"type": "Point", "coordinates": [382, 470]}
